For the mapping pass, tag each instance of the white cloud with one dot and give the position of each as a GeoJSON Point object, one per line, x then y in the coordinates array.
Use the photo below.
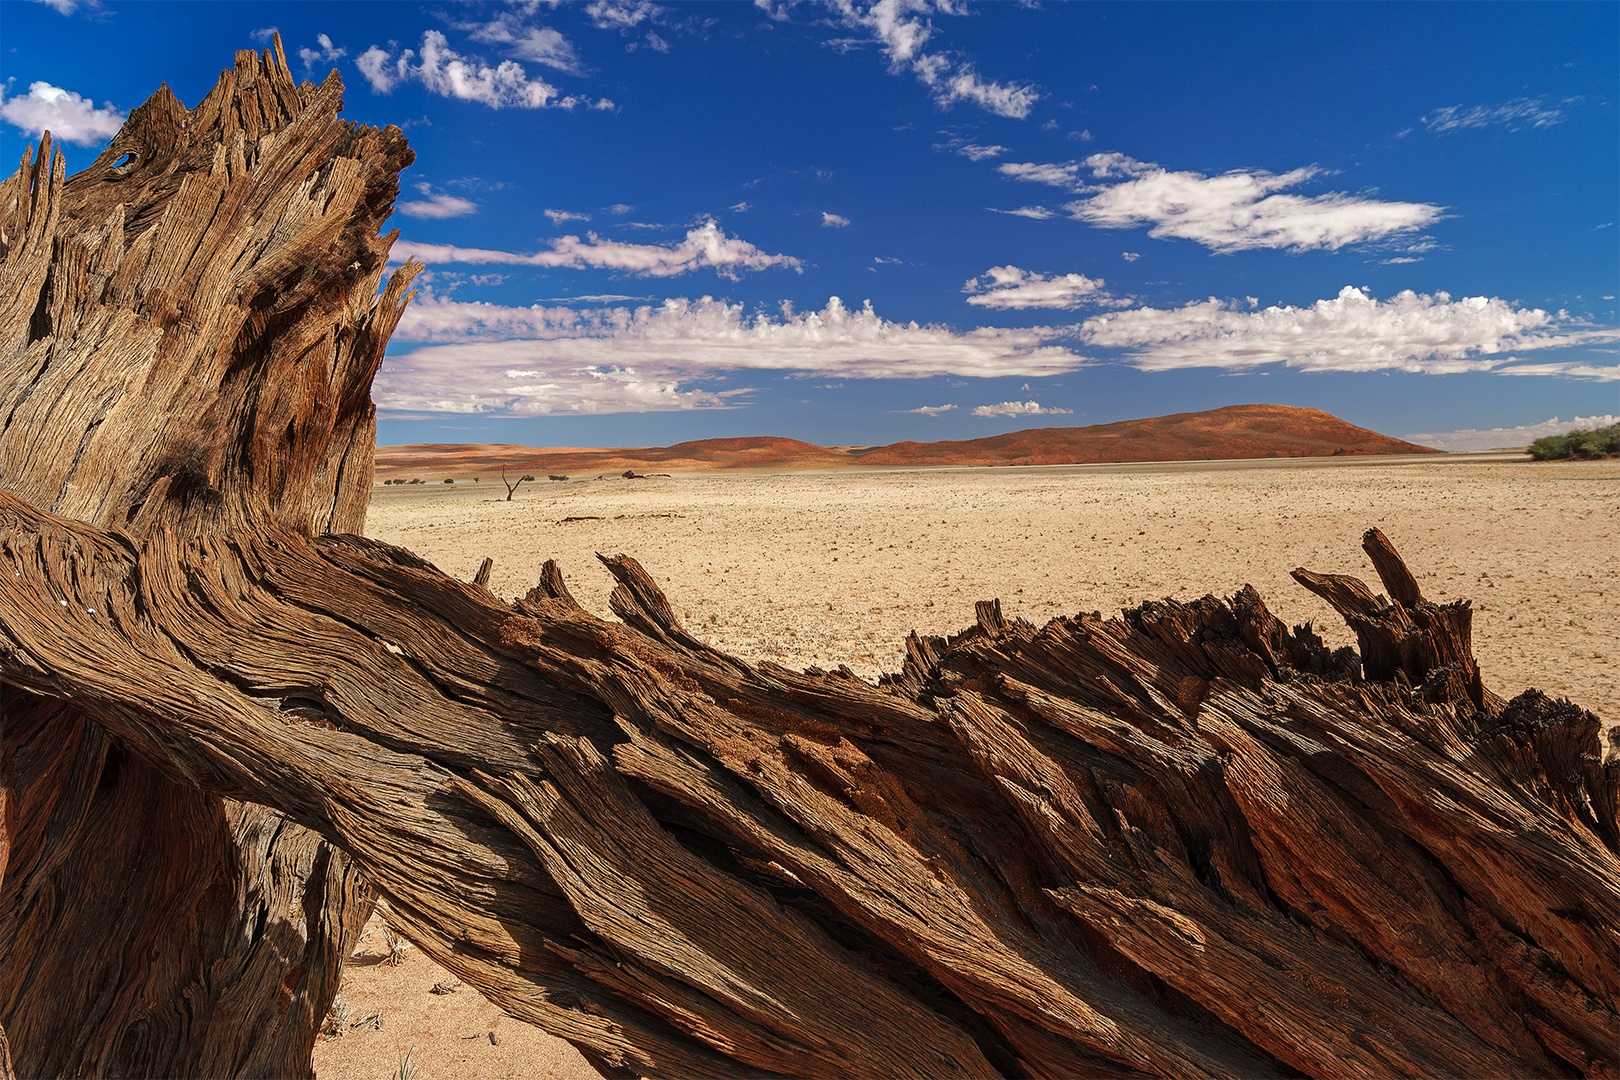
{"type": "Point", "coordinates": [899, 28]}
{"type": "Point", "coordinates": [621, 15]}
{"type": "Point", "coordinates": [1020, 408]}
{"type": "Point", "coordinates": [1130, 256]}
{"type": "Point", "coordinates": [1566, 370]}
{"type": "Point", "coordinates": [1515, 115]}
{"type": "Point", "coordinates": [437, 205]}
{"type": "Point", "coordinates": [1234, 211]}
{"type": "Point", "coordinates": [1034, 213]}
{"type": "Point", "coordinates": [324, 55]}
{"type": "Point", "coordinates": [447, 73]}
{"type": "Point", "coordinates": [1065, 175]}
{"type": "Point", "coordinates": [559, 216]}
{"type": "Point", "coordinates": [704, 246]}
{"type": "Point", "coordinates": [656, 43]}
{"type": "Point", "coordinates": [1010, 287]}
{"type": "Point", "coordinates": [1351, 332]}
{"type": "Point", "coordinates": [68, 7]}
{"type": "Point", "coordinates": [930, 410]}
{"type": "Point", "coordinates": [833, 221]}
{"type": "Point", "coordinates": [1499, 438]}
{"type": "Point", "coordinates": [974, 152]}
{"type": "Point", "coordinates": [1080, 136]}
{"type": "Point", "coordinates": [69, 117]}
{"type": "Point", "coordinates": [618, 209]}
{"type": "Point", "coordinates": [265, 34]}
{"type": "Point", "coordinates": [523, 361]}
{"type": "Point", "coordinates": [541, 44]}
{"type": "Point", "coordinates": [739, 208]}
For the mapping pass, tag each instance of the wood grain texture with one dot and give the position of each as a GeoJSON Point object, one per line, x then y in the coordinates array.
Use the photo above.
{"type": "Point", "coordinates": [188, 329]}
{"type": "Point", "coordinates": [1187, 842]}
{"type": "Point", "coordinates": [1132, 846]}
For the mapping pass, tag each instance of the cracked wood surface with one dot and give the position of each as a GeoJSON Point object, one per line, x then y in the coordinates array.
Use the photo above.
{"type": "Point", "coordinates": [1186, 842]}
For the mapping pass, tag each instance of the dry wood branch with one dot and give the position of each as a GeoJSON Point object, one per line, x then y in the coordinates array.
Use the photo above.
{"type": "Point", "coordinates": [1187, 842]}
{"type": "Point", "coordinates": [1089, 848]}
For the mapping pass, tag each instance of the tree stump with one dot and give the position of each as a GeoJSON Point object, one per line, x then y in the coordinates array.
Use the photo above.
{"type": "Point", "coordinates": [1189, 841]}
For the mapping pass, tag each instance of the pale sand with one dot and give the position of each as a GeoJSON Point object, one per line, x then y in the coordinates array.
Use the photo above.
{"type": "Point", "coordinates": [836, 567]}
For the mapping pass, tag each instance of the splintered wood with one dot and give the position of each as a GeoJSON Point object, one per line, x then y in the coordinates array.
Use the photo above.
{"type": "Point", "coordinates": [1187, 842]}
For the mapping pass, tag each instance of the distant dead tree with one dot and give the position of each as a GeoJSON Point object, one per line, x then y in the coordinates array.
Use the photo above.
{"type": "Point", "coordinates": [1185, 842]}
{"type": "Point", "coordinates": [512, 485]}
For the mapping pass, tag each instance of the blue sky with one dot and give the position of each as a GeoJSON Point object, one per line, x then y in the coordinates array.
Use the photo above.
{"type": "Point", "coordinates": [853, 223]}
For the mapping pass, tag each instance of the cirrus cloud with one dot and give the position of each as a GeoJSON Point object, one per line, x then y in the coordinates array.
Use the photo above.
{"type": "Point", "coordinates": [1515, 115]}
{"type": "Point", "coordinates": [707, 245]}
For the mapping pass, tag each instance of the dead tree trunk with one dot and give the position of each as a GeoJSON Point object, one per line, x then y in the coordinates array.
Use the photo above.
{"type": "Point", "coordinates": [188, 329]}
{"type": "Point", "coordinates": [1188, 842]}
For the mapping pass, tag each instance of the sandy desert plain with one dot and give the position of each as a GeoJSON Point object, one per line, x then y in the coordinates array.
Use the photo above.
{"type": "Point", "coordinates": [835, 567]}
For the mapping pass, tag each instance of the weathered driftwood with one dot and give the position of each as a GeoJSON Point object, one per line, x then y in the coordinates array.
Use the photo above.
{"type": "Point", "coordinates": [1185, 842]}
{"type": "Point", "coordinates": [188, 330]}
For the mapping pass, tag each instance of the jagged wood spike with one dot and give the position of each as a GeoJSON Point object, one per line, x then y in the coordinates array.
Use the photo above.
{"type": "Point", "coordinates": [1184, 842]}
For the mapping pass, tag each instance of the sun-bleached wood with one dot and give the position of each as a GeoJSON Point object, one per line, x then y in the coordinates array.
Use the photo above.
{"type": "Point", "coordinates": [1187, 841]}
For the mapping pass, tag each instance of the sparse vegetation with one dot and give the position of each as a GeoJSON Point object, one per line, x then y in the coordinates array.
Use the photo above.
{"type": "Point", "coordinates": [397, 947]}
{"type": "Point", "coordinates": [449, 480]}
{"type": "Point", "coordinates": [407, 1067]}
{"type": "Point", "coordinates": [337, 1017]}
{"type": "Point", "coordinates": [1586, 444]}
{"type": "Point", "coordinates": [554, 476]}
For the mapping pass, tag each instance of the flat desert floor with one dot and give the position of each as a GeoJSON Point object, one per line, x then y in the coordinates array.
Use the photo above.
{"type": "Point", "coordinates": [829, 568]}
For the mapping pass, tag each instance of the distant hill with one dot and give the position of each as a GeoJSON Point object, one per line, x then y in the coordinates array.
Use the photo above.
{"type": "Point", "coordinates": [1237, 431]}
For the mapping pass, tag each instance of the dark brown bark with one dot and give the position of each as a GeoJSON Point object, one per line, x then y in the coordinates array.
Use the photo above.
{"type": "Point", "coordinates": [1186, 842]}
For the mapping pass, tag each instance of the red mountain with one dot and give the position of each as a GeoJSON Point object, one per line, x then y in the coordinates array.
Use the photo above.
{"type": "Point", "coordinates": [1237, 431]}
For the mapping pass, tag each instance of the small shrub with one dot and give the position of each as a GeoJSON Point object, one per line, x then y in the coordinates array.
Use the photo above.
{"type": "Point", "coordinates": [337, 1017]}
{"type": "Point", "coordinates": [448, 480]}
{"type": "Point", "coordinates": [554, 476]}
{"type": "Point", "coordinates": [397, 948]}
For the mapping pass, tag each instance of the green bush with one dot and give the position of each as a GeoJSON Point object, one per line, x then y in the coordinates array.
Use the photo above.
{"type": "Point", "coordinates": [1604, 442]}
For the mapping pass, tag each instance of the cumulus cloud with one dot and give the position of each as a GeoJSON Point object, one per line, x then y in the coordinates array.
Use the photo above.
{"type": "Point", "coordinates": [1020, 408]}
{"type": "Point", "coordinates": [437, 205]}
{"type": "Point", "coordinates": [1351, 332]}
{"type": "Point", "coordinates": [930, 410]}
{"type": "Point", "coordinates": [1500, 438]}
{"type": "Point", "coordinates": [323, 55]}
{"type": "Point", "coordinates": [67, 116]}
{"type": "Point", "coordinates": [621, 15]}
{"type": "Point", "coordinates": [1010, 287]}
{"type": "Point", "coordinates": [974, 152]}
{"type": "Point", "coordinates": [480, 357]}
{"type": "Point", "coordinates": [901, 30]}
{"type": "Point", "coordinates": [704, 246]}
{"type": "Point", "coordinates": [559, 216]}
{"type": "Point", "coordinates": [68, 7]}
{"type": "Point", "coordinates": [1130, 256]}
{"type": "Point", "coordinates": [1235, 211]}
{"type": "Point", "coordinates": [1515, 115]}
{"type": "Point", "coordinates": [447, 73]}
{"type": "Point", "coordinates": [541, 44]}
{"type": "Point", "coordinates": [833, 221]}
